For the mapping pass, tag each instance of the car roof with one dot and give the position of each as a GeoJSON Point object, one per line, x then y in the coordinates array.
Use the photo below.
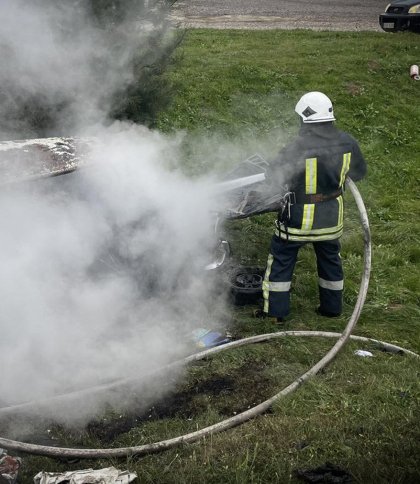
{"type": "Point", "coordinates": [404, 3]}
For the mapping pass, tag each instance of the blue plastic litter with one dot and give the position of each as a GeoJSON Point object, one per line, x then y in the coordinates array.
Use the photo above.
{"type": "Point", "coordinates": [206, 338]}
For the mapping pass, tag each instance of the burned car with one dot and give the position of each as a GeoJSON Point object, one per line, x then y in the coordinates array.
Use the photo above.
{"type": "Point", "coordinates": [401, 15]}
{"type": "Point", "coordinates": [237, 194]}
{"type": "Point", "coordinates": [245, 194]}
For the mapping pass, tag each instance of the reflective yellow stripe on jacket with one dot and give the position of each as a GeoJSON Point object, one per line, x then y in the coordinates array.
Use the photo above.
{"type": "Point", "coordinates": [311, 236]}
{"type": "Point", "coordinates": [306, 233]}
{"type": "Point", "coordinates": [311, 175]}
{"type": "Point", "coordinates": [308, 216]}
{"type": "Point", "coordinates": [345, 168]}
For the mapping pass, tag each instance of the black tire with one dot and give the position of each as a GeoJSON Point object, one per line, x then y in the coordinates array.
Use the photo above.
{"type": "Point", "coordinates": [246, 285]}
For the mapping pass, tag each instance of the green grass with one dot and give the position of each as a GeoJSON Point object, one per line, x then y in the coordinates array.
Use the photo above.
{"type": "Point", "coordinates": [240, 88]}
{"type": "Point", "coordinates": [236, 92]}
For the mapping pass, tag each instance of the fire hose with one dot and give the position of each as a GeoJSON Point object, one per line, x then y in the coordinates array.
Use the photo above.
{"type": "Point", "coordinates": [254, 411]}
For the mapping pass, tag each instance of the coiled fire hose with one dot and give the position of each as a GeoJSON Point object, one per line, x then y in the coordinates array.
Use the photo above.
{"type": "Point", "coordinates": [248, 414]}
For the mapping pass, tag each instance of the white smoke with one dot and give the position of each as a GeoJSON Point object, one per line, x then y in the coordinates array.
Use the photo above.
{"type": "Point", "coordinates": [102, 270]}
{"type": "Point", "coordinates": [58, 55]}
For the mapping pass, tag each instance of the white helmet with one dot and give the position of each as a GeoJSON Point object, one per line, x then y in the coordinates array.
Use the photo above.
{"type": "Point", "coordinates": [315, 107]}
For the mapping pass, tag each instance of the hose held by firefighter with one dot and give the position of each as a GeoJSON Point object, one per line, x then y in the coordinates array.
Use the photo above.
{"type": "Point", "coordinates": [314, 166]}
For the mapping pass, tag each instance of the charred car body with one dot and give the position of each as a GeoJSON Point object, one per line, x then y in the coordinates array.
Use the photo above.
{"type": "Point", "coordinates": [241, 192]}
{"type": "Point", "coordinates": [401, 15]}
{"type": "Point", "coordinates": [245, 194]}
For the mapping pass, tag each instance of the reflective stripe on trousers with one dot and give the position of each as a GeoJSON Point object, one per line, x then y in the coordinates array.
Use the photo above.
{"type": "Point", "coordinates": [280, 267]}
{"type": "Point", "coordinates": [333, 285]}
{"type": "Point", "coordinates": [330, 275]}
{"type": "Point", "coordinates": [278, 276]}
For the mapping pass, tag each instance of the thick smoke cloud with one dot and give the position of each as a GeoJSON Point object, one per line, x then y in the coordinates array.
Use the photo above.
{"type": "Point", "coordinates": [102, 270]}
{"type": "Point", "coordinates": [61, 61]}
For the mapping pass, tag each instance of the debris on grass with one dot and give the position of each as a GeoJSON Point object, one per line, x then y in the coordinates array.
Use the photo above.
{"type": "Point", "coordinates": [108, 475]}
{"type": "Point", "coordinates": [326, 473]}
{"type": "Point", "coordinates": [363, 353]}
{"type": "Point", "coordinates": [206, 338]}
{"type": "Point", "coordinates": [9, 468]}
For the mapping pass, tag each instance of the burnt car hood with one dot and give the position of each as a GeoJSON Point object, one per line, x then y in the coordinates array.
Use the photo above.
{"type": "Point", "coordinates": [244, 191]}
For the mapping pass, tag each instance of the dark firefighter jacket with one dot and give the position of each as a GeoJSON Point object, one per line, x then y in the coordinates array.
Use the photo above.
{"type": "Point", "coordinates": [314, 166]}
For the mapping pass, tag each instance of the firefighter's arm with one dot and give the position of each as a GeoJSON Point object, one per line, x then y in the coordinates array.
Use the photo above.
{"type": "Point", "coordinates": [358, 166]}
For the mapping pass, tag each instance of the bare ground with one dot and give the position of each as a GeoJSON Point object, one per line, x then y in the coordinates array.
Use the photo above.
{"type": "Point", "coordinates": [352, 15]}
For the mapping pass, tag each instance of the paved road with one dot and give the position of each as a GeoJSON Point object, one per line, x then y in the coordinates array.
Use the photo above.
{"type": "Point", "coordinates": [281, 14]}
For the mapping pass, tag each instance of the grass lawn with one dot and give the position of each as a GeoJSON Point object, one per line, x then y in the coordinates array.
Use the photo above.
{"type": "Point", "coordinates": [235, 95]}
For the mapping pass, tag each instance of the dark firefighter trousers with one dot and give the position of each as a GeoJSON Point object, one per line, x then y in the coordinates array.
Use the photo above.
{"type": "Point", "coordinates": [280, 267]}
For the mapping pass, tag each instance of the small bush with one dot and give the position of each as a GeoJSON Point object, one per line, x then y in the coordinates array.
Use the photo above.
{"type": "Point", "coordinates": [66, 65]}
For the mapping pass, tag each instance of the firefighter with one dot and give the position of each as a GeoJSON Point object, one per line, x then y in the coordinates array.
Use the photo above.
{"type": "Point", "coordinates": [314, 166]}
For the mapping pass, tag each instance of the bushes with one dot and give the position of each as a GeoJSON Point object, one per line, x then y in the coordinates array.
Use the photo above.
{"type": "Point", "coordinates": [68, 65]}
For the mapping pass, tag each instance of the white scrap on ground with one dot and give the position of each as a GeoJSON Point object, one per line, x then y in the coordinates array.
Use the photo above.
{"type": "Point", "coordinates": [363, 353]}
{"type": "Point", "coordinates": [108, 475]}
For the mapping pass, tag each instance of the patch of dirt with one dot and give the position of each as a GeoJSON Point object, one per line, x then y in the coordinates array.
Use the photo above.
{"type": "Point", "coordinates": [355, 89]}
{"type": "Point", "coordinates": [394, 307]}
{"type": "Point", "coordinates": [374, 65]}
{"type": "Point", "coordinates": [181, 404]}
{"type": "Point", "coordinates": [106, 430]}
{"type": "Point", "coordinates": [228, 394]}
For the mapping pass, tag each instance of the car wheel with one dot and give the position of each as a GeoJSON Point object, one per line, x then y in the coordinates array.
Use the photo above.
{"type": "Point", "coordinates": [246, 285]}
